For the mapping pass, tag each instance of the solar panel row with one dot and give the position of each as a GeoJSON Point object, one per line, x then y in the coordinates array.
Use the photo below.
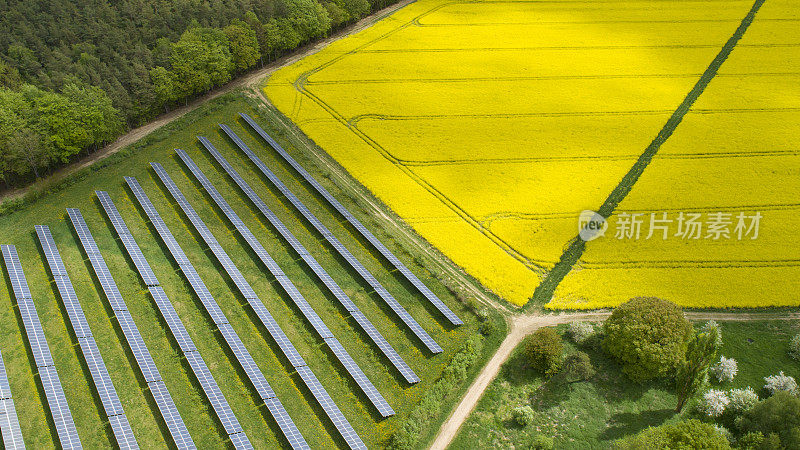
{"type": "Point", "coordinates": [308, 312]}
{"type": "Point", "coordinates": [144, 360]}
{"type": "Point", "coordinates": [326, 279]}
{"type": "Point", "coordinates": [376, 243]}
{"type": "Point", "coordinates": [387, 297]}
{"type": "Point", "coordinates": [91, 353]}
{"type": "Point", "coordinates": [9, 422]}
{"type": "Point", "coordinates": [56, 401]}
{"type": "Point", "coordinates": [198, 365]}
{"type": "Point", "coordinates": [240, 352]}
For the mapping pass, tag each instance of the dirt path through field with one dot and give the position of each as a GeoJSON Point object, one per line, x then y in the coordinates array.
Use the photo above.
{"type": "Point", "coordinates": [523, 325]}
{"type": "Point", "coordinates": [250, 80]}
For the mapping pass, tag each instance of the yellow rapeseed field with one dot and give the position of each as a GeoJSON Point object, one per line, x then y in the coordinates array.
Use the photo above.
{"type": "Point", "coordinates": [489, 126]}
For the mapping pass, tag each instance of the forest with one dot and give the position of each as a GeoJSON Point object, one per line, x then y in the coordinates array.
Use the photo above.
{"type": "Point", "coordinates": [75, 74]}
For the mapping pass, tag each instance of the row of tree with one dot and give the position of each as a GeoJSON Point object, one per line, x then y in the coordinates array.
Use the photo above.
{"type": "Point", "coordinates": [135, 59]}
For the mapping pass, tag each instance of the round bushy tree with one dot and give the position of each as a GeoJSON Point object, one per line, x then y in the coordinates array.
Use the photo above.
{"type": "Point", "coordinates": [778, 415]}
{"type": "Point", "coordinates": [543, 350]}
{"type": "Point", "coordinates": [648, 336]}
{"type": "Point", "coordinates": [686, 435]}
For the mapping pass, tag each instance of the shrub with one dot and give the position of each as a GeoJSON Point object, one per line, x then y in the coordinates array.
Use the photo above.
{"type": "Point", "coordinates": [687, 435]}
{"type": "Point", "coordinates": [430, 407]}
{"type": "Point", "coordinates": [483, 314]}
{"type": "Point", "coordinates": [488, 327]}
{"type": "Point", "coordinates": [781, 383]}
{"type": "Point", "coordinates": [579, 332]}
{"type": "Point", "coordinates": [742, 399]}
{"type": "Point", "coordinates": [523, 415]}
{"type": "Point", "coordinates": [725, 370]}
{"type": "Point", "coordinates": [648, 336]}
{"type": "Point", "coordinates": [543, 351]}
{"type": "Point", "coordinates": [725, 432]}
{"type": "Point", "coordinates": [578, 367]}
{"type": "Point", "coordinates": [713, 403]}
{"type": "Point", "coordinates": [541, 442]}
{"type": "Point", "coordinates": [778, 415]}
{"type": "Point", "coordinates": [794, 347]}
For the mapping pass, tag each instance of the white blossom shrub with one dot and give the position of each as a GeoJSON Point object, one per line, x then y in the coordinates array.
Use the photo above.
{"type": "Point", "coordinates": [742, 399]}
{"type": "Point", "coordinates": [725, 370]}
{"type": "Point", "coordinates": [781, 382]}
{"type": "Point", "coordinates": [580, 331]}
{"type": "Point", "coordinates": [794, 347]}
{"type": "Point", "coordinates": [713, 403]}
{"type": "Point", "coordinates": [713, 324]}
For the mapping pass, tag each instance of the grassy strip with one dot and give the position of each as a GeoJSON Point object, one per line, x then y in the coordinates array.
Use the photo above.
{"type": "Point", "coordinates": [544, 292]}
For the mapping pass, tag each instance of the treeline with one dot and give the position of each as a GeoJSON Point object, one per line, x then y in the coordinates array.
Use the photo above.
{"type": "Point", "coordinates": [74, 74]}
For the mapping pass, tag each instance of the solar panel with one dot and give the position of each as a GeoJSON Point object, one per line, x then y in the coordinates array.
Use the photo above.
{"type": "Point", "coordinates": [295, 295]}
{"type": "Point", "coordinates": [102, 381]}
{"type": "Point", "coordinates": [199, 368]}
{"type": "Point", "coordinates": [213, 392]}
{"type": "Point", "coordinates": [385, 347]}
{"type": "Point", "coordinates": [177, 429]}
{"type": "Point", "coordinates": [171, 318]}
{"type": "Point", "coordinates": [144, 360]}
{"type": "Point", "coordinates": [376, 243]}
{"type": "Point", "coordinates": [9, 425]}
{"type": "Point", "coordinates": [373, 282]}
{"type": "Point", "coordinates": [360, 378]}
{"type": "Point", "coordinates": [9, 422]}
{"type": "Point", "coordinates": [326, 279]}
{"type": "Point", "coordinates": [59, 409]}
{"type": "Point", "coordinates": [258, 307]}
{"type": "Point", "coordinates": [228, 333]}
{"type": "Point", "coordinates": [326, 402]}
{"type": "Point", "coordinates": [123, 432]}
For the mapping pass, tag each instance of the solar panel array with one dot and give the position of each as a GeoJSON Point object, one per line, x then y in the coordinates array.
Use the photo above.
{"type": "Point", "coordinates": [327, 280]}
{"type": "Point", "coordinates": [393, 260]}
{"type": "Point", "coordinates": [196, 362]}
{"type": "Point", "coordinates": [91, 353]}
{"type": "Point", "coordinates": [56, 400]}
{"type": "Point", "coordinates": [9, 423]}
{"type": "Point", "coordinates": [387, 297]}
{"type": "Point", "coordinates": [246, 290]}
{"type": "Point", "coordinates": [236, 345]}
{"type": "Point", "coordinates": [144, 360]}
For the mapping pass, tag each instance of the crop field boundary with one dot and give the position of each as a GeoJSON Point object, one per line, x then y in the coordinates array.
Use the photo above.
{"type": "Point", "coordinates": [544, 292]}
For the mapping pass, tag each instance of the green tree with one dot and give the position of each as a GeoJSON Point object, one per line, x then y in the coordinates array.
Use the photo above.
{"type": "Point", "coordinates": [164, 86]}
{"type": "Point", "coordinates": [309, 18]}
{"type": "Point", "coordinates": [543, 350]}
{"type": "Point", "coordinates": [648, 336]}
{"type": "Point", "coordinates": [686, 435]}
{"type": "Point", "coordinates": [243, 45]}
{"type": "Point", "coordinates": [778, 415]}
{"type": "Point", "coordinates": [26, 153]}
{"type": "Point", "coordinates": [701, 353]}
{"type": "Point", "coordinates": [578, 367]}
{"type": "Point", "coordinates": [201, 59]}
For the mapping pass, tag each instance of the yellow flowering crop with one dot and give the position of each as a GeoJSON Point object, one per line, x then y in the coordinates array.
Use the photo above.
{"type": "Point", "coordinates": [737, 151]}
{"type": "Point", "coordinates": [489, 126]}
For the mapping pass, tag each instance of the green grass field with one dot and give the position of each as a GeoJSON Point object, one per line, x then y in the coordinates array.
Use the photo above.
{"type": "Point", "coordinates": [595, 413]}
{"type": "Point", "coordinates": [17, 228]}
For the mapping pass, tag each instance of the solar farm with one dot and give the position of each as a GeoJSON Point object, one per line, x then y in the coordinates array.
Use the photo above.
{"type": "Point", "coordinates": [217, 294]}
